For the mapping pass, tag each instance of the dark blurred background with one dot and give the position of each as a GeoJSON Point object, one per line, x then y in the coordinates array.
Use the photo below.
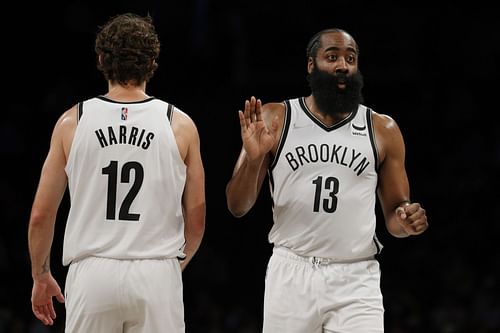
{"type": "Point", "coordinates": [433, 67]}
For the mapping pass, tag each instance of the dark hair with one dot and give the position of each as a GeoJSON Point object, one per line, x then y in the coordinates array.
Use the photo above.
{"type": "Point", "coordinates": [127, 46]}
{"type": "Point", "coordinates": [315, 43]}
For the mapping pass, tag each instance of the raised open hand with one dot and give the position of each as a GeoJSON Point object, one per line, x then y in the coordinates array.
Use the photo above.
{"type": "Point", "coordinates": [258, 138]}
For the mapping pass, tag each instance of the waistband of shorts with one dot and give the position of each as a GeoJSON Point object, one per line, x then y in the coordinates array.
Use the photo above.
{"type": "Point", "coordinates": [289, 254]}
{"type": "Point", "coordinates": [118, 259]}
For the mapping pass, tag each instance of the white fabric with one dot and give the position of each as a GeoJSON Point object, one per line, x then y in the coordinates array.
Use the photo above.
{"type": "Point", "coordinates": [303, 295]}
{"type": "Point", "coordinates": [124, 296]}
{"type": "Point", "coordinates": [323, 185]}
{"type": "Point", "coordinates": [126, 179]}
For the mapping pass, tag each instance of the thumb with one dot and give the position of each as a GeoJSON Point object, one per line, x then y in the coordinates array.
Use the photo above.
{"type": "Point", "coordinates": [60, 298]}
{"type": "Point", "coordinates": [400, 211]}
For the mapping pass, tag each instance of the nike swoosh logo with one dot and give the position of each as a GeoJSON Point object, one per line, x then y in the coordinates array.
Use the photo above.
{"type": "Point", "coordinates": [302, 125]}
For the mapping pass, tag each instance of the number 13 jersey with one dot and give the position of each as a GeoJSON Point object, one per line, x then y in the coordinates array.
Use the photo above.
{"type": "Point", "coordinates": [126, 179]}
{"type": "Point", "coordinates": [323, 184]}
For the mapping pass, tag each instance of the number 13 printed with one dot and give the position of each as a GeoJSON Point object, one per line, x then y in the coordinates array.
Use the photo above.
{"type": "Point", "coordinates": [329, 203]}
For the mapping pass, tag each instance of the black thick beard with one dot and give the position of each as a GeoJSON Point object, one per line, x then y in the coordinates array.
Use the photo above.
{"type": "Point", "coordinates": [329, 98]}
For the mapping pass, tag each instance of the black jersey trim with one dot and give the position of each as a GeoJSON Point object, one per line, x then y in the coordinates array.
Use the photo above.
{"type": "Point", "coordinates": [170, 112]}
{"type": "Point", "coordinates": [281, 143]}
{"type": "Point", "coordinates": [79, 109]}
{"type": "Point", "coordinates": [284, 133]}
{"type": "Point", "coordinates": [305, 108]}
{"type": "Point", "coordinates": [371, 131]}
{"type": "Point", "coordinates": [378, 245]}
{"type": "Point", "coordinates": [104, 98]}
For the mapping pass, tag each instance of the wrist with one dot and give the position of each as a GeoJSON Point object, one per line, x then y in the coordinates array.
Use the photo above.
{"type": "Point", "coordinates": [40, 276]}
{"type": "Point", "coordinates": [403, 203]}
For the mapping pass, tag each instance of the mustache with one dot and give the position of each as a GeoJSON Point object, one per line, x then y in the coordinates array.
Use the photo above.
{"type": "Point", "coordinates": [324, 81]}
{"type": "Point", "coordinates": [329, 97]}
{"type": "Point", "coordinates": [341, 77]}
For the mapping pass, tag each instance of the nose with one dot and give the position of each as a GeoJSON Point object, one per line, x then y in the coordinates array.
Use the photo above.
{"type": "Point", "coordinates": [341, 66]}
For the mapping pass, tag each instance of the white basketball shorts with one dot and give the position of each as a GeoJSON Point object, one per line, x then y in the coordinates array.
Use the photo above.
{"type": "Point", "coordinates": [109, 295]}
{"type": "Point", "coordinates": [314, 295]}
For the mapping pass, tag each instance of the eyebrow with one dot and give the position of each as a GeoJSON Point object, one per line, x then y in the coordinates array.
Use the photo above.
{"type": "Point", "coordinates": [335, 48]}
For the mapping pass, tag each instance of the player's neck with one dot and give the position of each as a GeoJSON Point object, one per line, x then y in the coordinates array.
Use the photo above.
{"type": "Point", "coordinates": [126, 93]}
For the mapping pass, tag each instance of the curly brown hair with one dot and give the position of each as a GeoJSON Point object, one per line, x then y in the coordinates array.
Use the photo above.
{"type": "Point", "coordinates": [127, 47]}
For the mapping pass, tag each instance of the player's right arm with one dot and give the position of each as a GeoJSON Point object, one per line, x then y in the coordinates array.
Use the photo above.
{"type": "Point", "coordinates": [259, 130]}
{"type": "Point", "coordinates": [50, 191]}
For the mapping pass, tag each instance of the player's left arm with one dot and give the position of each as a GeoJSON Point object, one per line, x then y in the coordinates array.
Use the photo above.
{"type": "Point", "coordinates": [402, 217]}
{"type": "Point", "coordinates": [193, 199]}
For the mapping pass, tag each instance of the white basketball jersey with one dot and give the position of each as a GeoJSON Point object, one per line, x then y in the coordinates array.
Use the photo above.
{"type": "Point", "coordinates": [126, 179]}
{"type": "Point", "coordinates": [323, 184]}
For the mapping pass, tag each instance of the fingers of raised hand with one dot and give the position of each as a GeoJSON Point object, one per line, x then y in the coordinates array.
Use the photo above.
{"type": "Point", "coordinates": [247, 113]}
{"type": "Point", "coordinates": [243, 122]}
{"type": "Point", "coordinates": [252, 110]}
{"type": "Point", "coordinates": [258, 110]}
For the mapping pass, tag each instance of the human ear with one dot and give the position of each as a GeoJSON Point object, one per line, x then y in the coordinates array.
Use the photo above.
{"type": "Point", "coordinates": [310, 65]}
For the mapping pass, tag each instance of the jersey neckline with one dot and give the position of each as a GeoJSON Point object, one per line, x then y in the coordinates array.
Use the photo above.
{"type": "Point", "coordinates": [308, 112]}
{"type": "Point", "coordinates": [106, 99]}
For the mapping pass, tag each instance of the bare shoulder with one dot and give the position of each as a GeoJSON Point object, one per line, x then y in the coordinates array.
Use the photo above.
{"type": "Point", "coordinates": [384, 121]}
{"type": "Point", "coordinates": [185, 132]}
{"type": "Point", "coordinates": [387, 134]}
{"type": "Point", "coordinates": [272, 111]}
{"type": "Point", "coordinates": [385, 125]}
{"type": "Point", "coordinates": [181, 120]}
{"type": "Point", "coordinates": [68, 118]}
{"type": "Point", "coordinates": [66, 125]}
{"type": "Point", "coordinates": [64, 130]}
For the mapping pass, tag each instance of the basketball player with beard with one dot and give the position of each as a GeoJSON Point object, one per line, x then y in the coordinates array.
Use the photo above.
{"type": "Point", "coordinates": [327, 156]}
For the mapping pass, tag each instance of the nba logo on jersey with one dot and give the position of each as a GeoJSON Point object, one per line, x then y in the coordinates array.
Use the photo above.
{"type": "Point", "coordinates": [124, 113]}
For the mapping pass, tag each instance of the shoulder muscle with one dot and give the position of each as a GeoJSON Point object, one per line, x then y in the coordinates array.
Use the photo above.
{"type": "Point", "coordinates": [388, 135]}
{"type": "Point", "coordinates": [185, 131]}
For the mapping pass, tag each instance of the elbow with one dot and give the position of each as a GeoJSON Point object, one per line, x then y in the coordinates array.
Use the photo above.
{"type": "Point", "coordinates": [40, 218]}
{"type": "Point", "coordinates": [235, 209]}
{"type": "Point", "coordinates": [238, 204]}
{"type": "Point", "coordinates": [237, 213]}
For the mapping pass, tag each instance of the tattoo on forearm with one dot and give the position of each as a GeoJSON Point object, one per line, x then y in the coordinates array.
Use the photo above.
{"type": "Point", "coordinates": [46, 265]}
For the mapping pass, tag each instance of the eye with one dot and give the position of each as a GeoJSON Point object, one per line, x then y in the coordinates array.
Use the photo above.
{"type": "Point", "coordinates": [351, 59]}
{"type": "Point", "coordinates": [332, 57]}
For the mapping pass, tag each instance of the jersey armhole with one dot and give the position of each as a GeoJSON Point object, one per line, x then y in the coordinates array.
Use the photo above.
{"type": "Point", "coordinates": [79, 109]}
{"type": "Point", "coordinates": [284, 134]}
{"type": "Point", "coordinates": [371, 131]}
{"type": "Point", "coordinates": [170, 112]}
